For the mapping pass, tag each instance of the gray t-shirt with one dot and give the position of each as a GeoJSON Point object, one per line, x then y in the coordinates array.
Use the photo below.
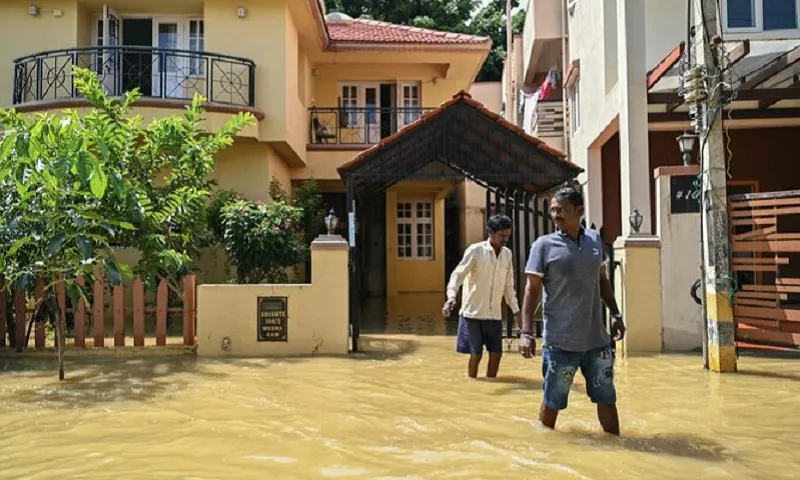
{"type": "Point", "coordinates": [572, 308]}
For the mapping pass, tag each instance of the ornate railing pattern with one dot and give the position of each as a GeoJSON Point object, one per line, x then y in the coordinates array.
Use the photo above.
{"type": "Point", "coordinates": [157, 72]}
{"type": "Point", "coordinates": [359, 125]}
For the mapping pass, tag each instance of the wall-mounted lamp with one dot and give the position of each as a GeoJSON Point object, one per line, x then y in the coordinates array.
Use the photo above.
{"type": "Point", "coordinates": [33, 10]}
{"type": "Point", "coordinates": [686, 144]}
{"type": "Point", "coordinates": [241, 12]}
{"type": "Point", "coordinates": [635, 219]}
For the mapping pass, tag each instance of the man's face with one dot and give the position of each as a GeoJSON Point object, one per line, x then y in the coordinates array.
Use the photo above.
{"type": "Point", "coordinates": [500, 238]}
{"type": "Point", "coordinates": [564, 215]}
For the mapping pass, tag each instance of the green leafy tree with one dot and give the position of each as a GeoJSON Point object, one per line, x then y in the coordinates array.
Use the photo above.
{"type": "Point", "coordinates": [74, 187]}
{"type": "Point", "coordinates": [263, 240]}
{"type": "Point", "coordinates": [490, 22]}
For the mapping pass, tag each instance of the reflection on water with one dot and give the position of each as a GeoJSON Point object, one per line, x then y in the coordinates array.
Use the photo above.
{"type": "Point", "coordinates": [402, 409]}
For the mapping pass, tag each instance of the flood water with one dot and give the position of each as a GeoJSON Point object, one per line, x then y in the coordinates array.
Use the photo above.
{"type": "Point", "coordinates": [404, 410]}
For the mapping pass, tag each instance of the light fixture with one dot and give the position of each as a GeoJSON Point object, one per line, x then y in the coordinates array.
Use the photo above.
{"type": "Point", "coordinates": [241, 12]}
{"type": "Point", "coordinates": [635, 219]}
{"type": "Point", "coordinates": [33, 10]}
{"type": "Point", "coordinates": [331, 221]}
{"type": "Point", "coordinates": [686, 145]}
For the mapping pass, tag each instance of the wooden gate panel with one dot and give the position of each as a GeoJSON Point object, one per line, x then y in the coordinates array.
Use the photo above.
{"type": "Point", "coordinates": [765, 245]}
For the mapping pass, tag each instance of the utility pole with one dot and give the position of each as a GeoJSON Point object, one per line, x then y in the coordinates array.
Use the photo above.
{"type": "Point", "coordinates": [719, 284]}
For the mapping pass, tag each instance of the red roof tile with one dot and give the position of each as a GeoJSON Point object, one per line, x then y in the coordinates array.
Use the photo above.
{"type": "Point", "coordinates": [372, 31]}
{"type": "Point", "coordinates": [463, 96]}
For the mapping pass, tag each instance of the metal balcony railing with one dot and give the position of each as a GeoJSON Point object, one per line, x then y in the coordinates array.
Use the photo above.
{"type": "Point", "coordinates": [157, 72]}
{"type": "Point", "coordinates": [359, 125]}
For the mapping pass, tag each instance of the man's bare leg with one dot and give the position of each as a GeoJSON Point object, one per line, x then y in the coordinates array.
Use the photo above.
{"type": "Point", "coordinates": [474, 362]}
{"type": "Point", "coordinates": [494, 364]}
{"type": "Point", "coordinates": [548, 417]}
{"type": "Point", "coordinates": [609, 418]}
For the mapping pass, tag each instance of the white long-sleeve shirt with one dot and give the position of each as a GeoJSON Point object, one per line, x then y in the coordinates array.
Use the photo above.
{"type": "Point", "coordinates": [487, 278]}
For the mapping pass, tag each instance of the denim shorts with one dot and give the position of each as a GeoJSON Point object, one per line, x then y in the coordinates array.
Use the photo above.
{"type": "Point", "coordinates": [474, 334]}
{"type": "Point", "coordinates": [559, 368]}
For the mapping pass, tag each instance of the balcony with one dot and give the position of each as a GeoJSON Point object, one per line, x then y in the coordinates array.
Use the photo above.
{"type": "Point", "coordinates": [354, 128]}
{"type": "Point", "coordinates": [165, 77]}
{"type": "Point", "coordinates": [542, 36]}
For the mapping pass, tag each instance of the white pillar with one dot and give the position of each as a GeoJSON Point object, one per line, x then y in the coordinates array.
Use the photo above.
{"type": "Point", "coordinates": [594, 188]}
{"type": "Point", "coordinates": [633, 132]}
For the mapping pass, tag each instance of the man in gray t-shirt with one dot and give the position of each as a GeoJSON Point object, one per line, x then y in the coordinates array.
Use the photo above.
{"type": "Point", "coordinates": [569, 265]}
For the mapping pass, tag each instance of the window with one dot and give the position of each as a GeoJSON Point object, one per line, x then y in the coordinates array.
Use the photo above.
{"type": "Point", "coordinates": [350, 105]}
{"type": "Point", "coordinates": [197, 43]}
{"type": "Point", "coordinates": [415, 230]}
{"type": "Point", "coordinates": [760, 15]}
{"type": "Point", "coordinates": [411, 103]}
{"type": "Point", "coordinates": [575, 106]}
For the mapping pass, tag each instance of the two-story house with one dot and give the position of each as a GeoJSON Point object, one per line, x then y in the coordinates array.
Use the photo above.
{"type": "Point", "coordinates": [376, 113]}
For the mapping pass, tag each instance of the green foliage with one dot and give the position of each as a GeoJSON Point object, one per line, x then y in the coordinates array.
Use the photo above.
{"type": "Point", "coordinates": [459, 16]}
{"type": "Point", "coordinates": [263, 240]}
{"type": "Point", "coordinates": [306, 197]}
{"type": "Point", "coordinates": [72, 186]}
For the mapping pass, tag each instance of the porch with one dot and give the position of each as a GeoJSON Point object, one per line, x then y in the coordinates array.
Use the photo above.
{"type": "Point", "coordinates": [401, 192]}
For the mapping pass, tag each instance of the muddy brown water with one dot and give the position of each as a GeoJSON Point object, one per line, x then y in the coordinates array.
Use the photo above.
{"type": "Point", "coordinates": [402, 410]}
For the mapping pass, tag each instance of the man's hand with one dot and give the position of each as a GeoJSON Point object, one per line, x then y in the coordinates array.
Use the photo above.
{"type": "Point", "coordinates": [448, 307]}
{"type": "Point", "coordinates": [617, 329]}
{"type": "Point", "coordinates": [518, 320]}
{"type": "Point", "coordinates": [527, 345]}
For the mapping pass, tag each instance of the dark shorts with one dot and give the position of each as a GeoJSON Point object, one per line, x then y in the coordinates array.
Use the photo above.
{"type": "Point", "coordinates": [474, 334]}
{"type": "Point", "coordinates": [559, 368]}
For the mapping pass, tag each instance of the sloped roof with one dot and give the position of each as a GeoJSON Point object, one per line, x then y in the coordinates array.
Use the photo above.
{"type": "Point", "coordinates": [471, 139]}
{"type": "Point", "coordinates": [372, 31]}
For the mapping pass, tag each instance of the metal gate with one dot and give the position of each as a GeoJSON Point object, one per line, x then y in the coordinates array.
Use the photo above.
{"type": "Point", "coordinates": [765, 240]}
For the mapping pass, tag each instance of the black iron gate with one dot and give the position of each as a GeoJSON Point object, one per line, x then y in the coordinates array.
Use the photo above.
{"type": "Point", "coordinates": [529, 217]}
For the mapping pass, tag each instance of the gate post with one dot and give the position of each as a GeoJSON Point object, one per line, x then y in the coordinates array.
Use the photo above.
{"type": "Point", "coordinates": [352, 256]}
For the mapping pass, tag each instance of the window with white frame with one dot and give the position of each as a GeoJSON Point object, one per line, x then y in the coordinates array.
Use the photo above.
{"type": "Point", "coordinates": [749, 16]}
{"type": "Point", "coordinates": [197, 43]}
{"type": "Point", "coordinates": [575, 106]}
{"type": "Point", "coordinates": [411, 103]}
{"type": "Point", "coordinates": [350, 105]}
{"type": "Point", "coordinates": [415, 230]}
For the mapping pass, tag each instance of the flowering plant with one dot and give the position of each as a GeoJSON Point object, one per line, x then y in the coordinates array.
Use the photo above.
{"type": "Point", "coordinates": [262, 240]}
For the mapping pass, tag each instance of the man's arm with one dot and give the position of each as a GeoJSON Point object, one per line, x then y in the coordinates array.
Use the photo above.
{"type": "Point", "coordinates": [534, 272]}
{"type": "Point", "coordinates": [607, 292]}
{"type": "Point", "coordinates": [510, 293]}
{"type": "Point", "coordinates": [460, 273]}
{"type": "Point", "coordinates": [533, 288]}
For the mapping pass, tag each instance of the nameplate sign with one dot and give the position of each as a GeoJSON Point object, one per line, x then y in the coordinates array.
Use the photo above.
{"type": "Point", "coordinates": [684, 194]}
{"type": "Point", "coordinates": [273, 319]}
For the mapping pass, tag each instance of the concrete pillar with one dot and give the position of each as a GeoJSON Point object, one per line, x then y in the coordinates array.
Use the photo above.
{"type": "Point", "coordinates": [681, 316]}
{"type": "Point", "coordinates": [638, 287]}
{"type": "Point", "coordinates": [633, 133]}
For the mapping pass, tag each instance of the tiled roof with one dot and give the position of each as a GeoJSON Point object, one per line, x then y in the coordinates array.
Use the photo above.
{"type": "Point", "coordinates": [373, 31]}
{"type": "Point", "coordinates": [462, 96]}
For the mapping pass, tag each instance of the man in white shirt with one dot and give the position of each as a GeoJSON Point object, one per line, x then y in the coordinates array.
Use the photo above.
{"type": "Point", "coordinates": [487, 273]}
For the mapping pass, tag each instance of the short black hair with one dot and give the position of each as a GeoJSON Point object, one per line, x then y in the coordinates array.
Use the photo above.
{"type": "Point", "coordinates": [498, 223]}
{"type": "Point", "coordinates": [571, 194]}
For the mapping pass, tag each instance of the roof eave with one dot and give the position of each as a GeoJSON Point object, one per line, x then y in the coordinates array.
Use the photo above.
{"type": "Point", "coordinates": [349, 46]}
